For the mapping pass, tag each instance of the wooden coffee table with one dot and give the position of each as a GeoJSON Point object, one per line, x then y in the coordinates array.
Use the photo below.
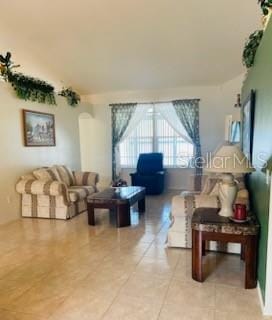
{"type": "Point", "coordinates": [118, 199]}
{"type": "Point", "coordinates": [207, 225]}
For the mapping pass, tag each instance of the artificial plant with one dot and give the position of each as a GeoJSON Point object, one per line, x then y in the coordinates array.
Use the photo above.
{"type": "Point", "coordinates": [27, 88]}
{"type": "Point", "coordinates": [71, 96]}
{"type": "Point", "coordinates": [251, 47]}
{"type": "Point", "coordinates": [265, 6]}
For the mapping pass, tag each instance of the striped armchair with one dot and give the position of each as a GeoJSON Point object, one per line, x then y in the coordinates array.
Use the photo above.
{"type": "Point", "coordinates": [55, 192]}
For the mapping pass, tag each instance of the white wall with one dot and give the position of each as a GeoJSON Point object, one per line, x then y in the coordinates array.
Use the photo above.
{"type": "Point", "coordinates": [16, 159]}
{"type": "Point", "coordinates": [216, 102]}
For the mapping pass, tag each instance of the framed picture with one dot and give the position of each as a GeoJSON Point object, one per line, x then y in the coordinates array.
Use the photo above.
{"type": "Point", "coordinates": [39, 129]}
{"type": "Point", "coordinates": [247, 124]}
{"type": "Point", "coordinates": [233, 128]}
{"type": "Point", "coordinates": [235, 132]}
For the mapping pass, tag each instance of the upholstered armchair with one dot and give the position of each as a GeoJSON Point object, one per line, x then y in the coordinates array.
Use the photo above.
{"type": "Point", "coordinates": [150, 173]}
{"type": "Point", "coordinates": [55, 192]}
{"type": "Point", "coordinates": [183, 206]}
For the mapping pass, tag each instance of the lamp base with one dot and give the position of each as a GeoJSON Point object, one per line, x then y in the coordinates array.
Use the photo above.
{"type": "Point", "coordinates": [227, 194]}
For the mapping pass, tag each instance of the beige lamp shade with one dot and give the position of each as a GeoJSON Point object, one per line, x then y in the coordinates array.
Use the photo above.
{"type": "Point", "coordinates": [229, 158]}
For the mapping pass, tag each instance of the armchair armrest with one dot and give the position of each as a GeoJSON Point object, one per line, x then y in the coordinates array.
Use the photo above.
{"type": "Point", "coordinates": [41, 187]}
{"type": "Point", "coordinates": [161, 173]}
{"type": "Point", "coordinates": [184, 205]}
{"type": "Point", "coordinates": [86, 178]}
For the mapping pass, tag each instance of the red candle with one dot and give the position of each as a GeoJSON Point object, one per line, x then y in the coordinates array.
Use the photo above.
{"type": "Point", "coordinates": [240, 212]}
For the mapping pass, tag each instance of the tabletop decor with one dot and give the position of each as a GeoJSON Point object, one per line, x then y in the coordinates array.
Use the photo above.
{"type": "Point", "coordinates": [226, 161]}
{"type": "Point", "coordinates": [39, 129]}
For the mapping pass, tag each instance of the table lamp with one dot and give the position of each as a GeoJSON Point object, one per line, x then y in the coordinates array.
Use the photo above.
{"type": "Point", "coordinates": [226, 161]}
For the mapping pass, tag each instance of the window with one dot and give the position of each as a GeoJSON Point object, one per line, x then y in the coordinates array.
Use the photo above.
{"type": "Point", "coordinates": [154, 134]}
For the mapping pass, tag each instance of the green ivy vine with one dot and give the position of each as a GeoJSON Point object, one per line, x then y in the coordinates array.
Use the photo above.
{"type": "Point", "coordinates": [251, 47]}
{"type": "Point", "coordinates": [33, 89]}
{"type": "Point", "coordinates": [265, 6]}
{"type": "Point", "coordinates": [71, 96]}
{"type": "Point", "coordinates": [26, 87]}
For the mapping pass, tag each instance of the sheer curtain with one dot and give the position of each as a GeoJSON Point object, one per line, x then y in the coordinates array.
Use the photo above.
{"type": "Point", "coordinates": [188, 114]}
{"type": "Point", "coordinates": [167, 111]}
{"type": "Point", "coordinates": [138, 115]}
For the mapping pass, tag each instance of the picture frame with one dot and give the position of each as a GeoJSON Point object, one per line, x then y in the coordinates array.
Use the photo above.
{"type": "Point", "coordinates": [235, 132]}
{"type": "Point", "coordinates": [233, 129]}
{"type": "Point", "coordinates": [248, 108]}
{"type": "Point", "coordinates": [39, 129]}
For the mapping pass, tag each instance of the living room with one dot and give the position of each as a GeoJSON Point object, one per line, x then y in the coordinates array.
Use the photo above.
{"type": "Point", "coordinates": [85, 95]}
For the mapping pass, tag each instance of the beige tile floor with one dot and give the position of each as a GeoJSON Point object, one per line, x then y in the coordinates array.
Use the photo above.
{"type": "Point", "coordinates": [67, 270]}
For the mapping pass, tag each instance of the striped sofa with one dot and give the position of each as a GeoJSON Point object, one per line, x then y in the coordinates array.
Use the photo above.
{"type": "Point", "coordinates": [55, 192]}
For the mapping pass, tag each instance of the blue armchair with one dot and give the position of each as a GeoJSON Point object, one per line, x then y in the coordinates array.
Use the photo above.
{"type": "Point", "coordinates": [150, 173]}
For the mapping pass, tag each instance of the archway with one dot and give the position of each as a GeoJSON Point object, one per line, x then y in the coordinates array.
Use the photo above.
{"type": "Point", "coordinates": [85, 121]}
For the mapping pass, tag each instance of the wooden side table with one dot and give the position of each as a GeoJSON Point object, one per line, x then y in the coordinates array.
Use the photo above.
{"type": "Point", "coordinates": [207, 225]}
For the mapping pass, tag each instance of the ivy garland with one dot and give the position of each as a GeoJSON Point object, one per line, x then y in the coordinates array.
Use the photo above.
{"type": "Point", "coordinates": [251, 47]}
{"type": "Point", "coordinates": [26, 88]}
{"type": "Point", "coordinates": [29, 88]}
{"type": "Point", "coordinates": [71, 96]}
{"type": "Point", "coordinates": [265, 6]}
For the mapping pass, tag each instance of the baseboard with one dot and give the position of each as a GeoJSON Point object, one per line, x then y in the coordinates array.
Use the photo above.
{"type": "Point", "coordinates": [266, 310]}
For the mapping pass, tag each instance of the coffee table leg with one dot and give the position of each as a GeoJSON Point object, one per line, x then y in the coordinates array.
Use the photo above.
{"type": "Point", "coordinates": [197, 243]}
{"type": "Point", "coordinates": [251, 262]}
{"type": "Point", "coordinates": [141, 205]}
{"type": "Point", "coordinates": [91, 217]}
{"type": "Point", "coordinates": [123, 215]}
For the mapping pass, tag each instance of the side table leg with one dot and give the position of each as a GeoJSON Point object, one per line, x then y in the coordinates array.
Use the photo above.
{"type": "Point", "coordinates": [203, 248]}
{"type": "Point", "coordinates": [251, 262]}
{"type": "Point", "coordinates": [123, 215]}
{"type": "Point", "coordinates": [141, 205]}
{"type": "Point", "coordinates": [91, 216]}
{"type": "Point", "coordinates": [242, 252]}
{"type": "Point", "coordinates": [197, 243]}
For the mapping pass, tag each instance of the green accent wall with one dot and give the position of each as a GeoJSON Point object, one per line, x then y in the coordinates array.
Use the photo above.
{"type": "Point", "coordinates": [259, 78]}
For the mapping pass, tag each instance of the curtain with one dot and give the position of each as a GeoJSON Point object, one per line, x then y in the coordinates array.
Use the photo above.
{"type": "Point", "coordinates": [121, 115]}
{"type": "Point", "coordinates": [188, 114]}
{"type": "Point", "coordinates": [137, 116]}
{"type": "Point", "coordinates": [167, 111]}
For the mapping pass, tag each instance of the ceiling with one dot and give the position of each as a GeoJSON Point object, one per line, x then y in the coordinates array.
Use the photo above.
{"type": "Point", "coordinates": [108, 45]}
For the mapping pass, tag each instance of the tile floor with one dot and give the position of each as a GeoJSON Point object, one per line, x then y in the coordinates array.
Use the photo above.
{"type": "Point", "coordinates": [67, 270]}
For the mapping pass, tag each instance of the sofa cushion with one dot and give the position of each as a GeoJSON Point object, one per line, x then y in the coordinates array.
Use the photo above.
{"type": "Point", "coordinates": [83, 178]}
{"type": "Point", "coordinates": [77, 193]}
{"type": "Point", "coordinates": [47, 174]}
{"type": "Point", "coordinates": [66, 175]}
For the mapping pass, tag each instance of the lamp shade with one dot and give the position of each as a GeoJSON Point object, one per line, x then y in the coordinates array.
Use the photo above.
{"type": "Point", "coordinates": [229, 158]}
